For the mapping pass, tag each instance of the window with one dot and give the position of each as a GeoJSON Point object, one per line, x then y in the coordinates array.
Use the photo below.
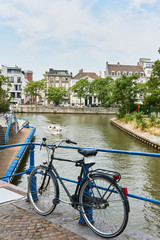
{"type": "Point", "coordinates": [12, 94]}
{"type": "Point", "coordinates": [13, 71]}
{"type": "Point", "coordinates": [11, 79]}
{"type": "Point", "coordinates": [66, 79]}
{"type": "Point", "coordinates": [57, 78]}
{"type": "Point", "coordinates": [130, 73]}
{"type": "Point", "coordinates": [124, 73]}
{"type": "Point", "coordinates": [142, 74]}
{"type": "Point", "coordinates": [149, 71]}
{"type": "Point", "coordinates": [18, 95]}
{"type": "Point", "coordinates": [118, 73]}
{"type": "Point", "coordinates": [51, 84]}
{"type": "Point", "coordinates": [57, 84]}
{"type": "Point", "coordinates": [19, 80]}
{"type": "Point", "coordinates": [51, 79]}
{"type": "Point", "coordinates": [136, 73]}
{"type": "Point", "coordinates": [113, 73]}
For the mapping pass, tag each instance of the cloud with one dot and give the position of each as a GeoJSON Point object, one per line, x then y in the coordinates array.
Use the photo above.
{"type": "Point", "coordinates": [138, 4]}
{"type": "Point", "coordinates": [72, 29]}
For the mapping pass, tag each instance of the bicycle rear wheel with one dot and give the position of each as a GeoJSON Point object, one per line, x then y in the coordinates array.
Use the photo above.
{"type": "Point", "coordinates": [43, 190]}
{"type": "Point", "coordinates": [103, 206]}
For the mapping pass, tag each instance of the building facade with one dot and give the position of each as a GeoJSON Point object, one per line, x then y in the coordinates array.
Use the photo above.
{"type": "Point", "coordinates": [28, 75]}
{"type": "Point", "coordinates": [59, 78]}
{"type": "Point", "coordinates": [143, 68]}
{"type": "Point", "coordinates": [18, 82]}
{"type": "Point", "coordinates": [75, 101]}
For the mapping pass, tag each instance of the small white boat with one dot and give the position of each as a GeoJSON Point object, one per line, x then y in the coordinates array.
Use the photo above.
{"type": "Point", "coordinates": [55, 129]}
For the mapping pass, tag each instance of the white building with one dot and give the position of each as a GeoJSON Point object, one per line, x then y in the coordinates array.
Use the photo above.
{"type": "Point", "coordinates": [143, 68]}
{"type": "Point", "coordinates": [16, 78]}
{"type": "Point", "coordinates": [74, 100]}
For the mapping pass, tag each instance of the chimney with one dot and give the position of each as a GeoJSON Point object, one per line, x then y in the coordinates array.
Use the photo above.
{"type": "Point", "coordinates": [118, 63]}
{"type": "Point", "coordinates": [81, 70]}
{"type": "Point", "coordinates": [137, 63]}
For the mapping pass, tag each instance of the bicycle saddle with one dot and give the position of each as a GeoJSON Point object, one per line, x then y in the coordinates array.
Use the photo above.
{"type": "Point", "coordinates": [88, 152]}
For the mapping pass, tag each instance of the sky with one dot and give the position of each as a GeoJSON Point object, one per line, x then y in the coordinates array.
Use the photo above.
{"type": "Point", "coordinates": [77, 34]}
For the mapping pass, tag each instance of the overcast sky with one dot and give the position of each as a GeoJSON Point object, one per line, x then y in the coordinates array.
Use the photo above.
{"type": "Point", "coordinates": [73, 34]}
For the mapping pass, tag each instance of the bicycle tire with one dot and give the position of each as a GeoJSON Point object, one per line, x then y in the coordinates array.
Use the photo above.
{"type": "Point", "coordinates": [104, 210]}
{"type": "Point", "coordinates": [43, 200]}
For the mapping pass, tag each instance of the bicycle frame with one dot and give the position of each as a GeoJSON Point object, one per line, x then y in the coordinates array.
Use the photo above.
{"type": "Point", "coordinates": [52, 168]}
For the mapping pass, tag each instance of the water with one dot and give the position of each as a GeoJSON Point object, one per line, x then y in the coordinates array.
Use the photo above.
{"type": "Point", "coordinates": [140, 174]}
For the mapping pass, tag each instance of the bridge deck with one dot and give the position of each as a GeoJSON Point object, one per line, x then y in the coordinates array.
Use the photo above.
{"type": "Point", "coordinates": [9, 154]}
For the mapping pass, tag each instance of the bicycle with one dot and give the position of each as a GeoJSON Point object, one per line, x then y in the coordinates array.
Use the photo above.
{"type": "Point", "coordinates": [102, 203]}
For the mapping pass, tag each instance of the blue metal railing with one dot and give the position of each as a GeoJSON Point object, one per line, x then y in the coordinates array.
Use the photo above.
{"type": "Point", "coordinates": [9, 122]}
{"type": "Point", "coordinates": [32, 146]}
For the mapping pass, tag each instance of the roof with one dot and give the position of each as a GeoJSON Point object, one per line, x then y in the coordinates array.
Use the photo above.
{"type": "Point", "coordinates": [124, 68]}
{"type": "Point", "coordinates": [82, 75]}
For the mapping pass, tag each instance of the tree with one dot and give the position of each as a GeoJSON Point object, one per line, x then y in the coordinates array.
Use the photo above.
{"type": "Point", "coordinates": [4, 98]}
{"type": "Point", "coordinates": [102, 87]}
{"type": "Point", "coordinates": [82, 89]}
{"type": "Point", "coordinates": [56, 94]}
{"type": "Point", "coordinates": [124, 93]}
{"type": "Point", "coordinates": [35, 88]}
{"type": "Point", "coordinates": [152, 97]}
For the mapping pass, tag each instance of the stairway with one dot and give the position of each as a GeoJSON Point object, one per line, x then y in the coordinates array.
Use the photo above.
{"type": "Point", "coordinates": [2, 135]}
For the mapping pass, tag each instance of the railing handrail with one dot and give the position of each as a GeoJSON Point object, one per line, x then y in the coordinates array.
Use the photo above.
{"type": "Point", "coordinates": [72, 147]}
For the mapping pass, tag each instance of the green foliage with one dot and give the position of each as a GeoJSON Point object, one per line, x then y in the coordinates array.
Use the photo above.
{"type": "Point", "coordinates": [124, 93]}
{"type": "Point", "coordinates": [56, 94]}
{"type": "Point", "coordinates": [138, 115]}
{"type": "Point", "coordinates": [152, 97]}
{"type": "Point", "coordinates": [102, 88]}
{"type": "Point", "coordinates": [143, 124]}
{"type": "Point", "coordinates": [152, 118]}
{"type": "Point", "coordinates": [82, 89]}
{"type": "Point", "coordinates": [4, 98]}
{"type": "Point", "coordinates": [35, 88]}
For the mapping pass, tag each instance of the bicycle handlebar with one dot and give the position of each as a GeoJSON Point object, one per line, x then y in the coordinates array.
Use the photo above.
{"type": "Point", "coordinates": [69, 141]}
{"type": "Point", "coordinates": [63, 140]}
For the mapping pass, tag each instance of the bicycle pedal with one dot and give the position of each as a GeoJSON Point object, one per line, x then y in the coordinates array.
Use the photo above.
{"type": "Point", "coordinates": [56, 201]}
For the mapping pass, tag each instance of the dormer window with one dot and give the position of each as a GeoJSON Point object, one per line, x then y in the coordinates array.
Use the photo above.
{"type": "Point", "coordinates": [119, 73]}
{"type": "Point", "coordinates": [130, 73]}
{"type": "Point", "coordinates": [142, 74]}
{"type": "Point", "coordinates": [113, 73]}
{"type": "Point", "coordinates": [124, 73]}
{"type": "Point", "coordinates": [136, 73]}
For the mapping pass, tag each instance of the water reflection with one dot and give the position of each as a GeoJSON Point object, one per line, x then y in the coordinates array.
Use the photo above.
{"type": "Point", "coordinates": [140, 174]}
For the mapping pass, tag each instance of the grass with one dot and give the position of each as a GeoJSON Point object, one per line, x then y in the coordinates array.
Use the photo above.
{"type": "Point", "coordinates": [150, 124]}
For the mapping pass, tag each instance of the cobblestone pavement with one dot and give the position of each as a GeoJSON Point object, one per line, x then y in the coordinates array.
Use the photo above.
{"type": "Point", "coordinates": [17, 223]}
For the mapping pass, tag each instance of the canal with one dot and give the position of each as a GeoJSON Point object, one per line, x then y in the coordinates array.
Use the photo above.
{"type": "Point", "coordinates": [139, 174]}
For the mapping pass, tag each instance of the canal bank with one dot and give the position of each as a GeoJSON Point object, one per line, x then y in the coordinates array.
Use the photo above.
{"type": "Point", "coordinates": [69, 110]}
{"type": "Point", "coordinates": [11, 158]}
{"type": "Point", "coordinates": [144, 137]}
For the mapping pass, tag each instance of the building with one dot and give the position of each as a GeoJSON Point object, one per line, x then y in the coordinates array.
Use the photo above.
{"type": "Point", "coordinates": [16, 78]}
{"type": "Point", "coordinates": [28, 75]}
{"type": "Point", "coordinates": [92, 99]}
{"type": "Point", "coordinates": [59, 78]}
{"type": "Point", "coordinates": [143, 69]}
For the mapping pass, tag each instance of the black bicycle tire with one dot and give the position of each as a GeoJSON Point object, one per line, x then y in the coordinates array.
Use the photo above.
{"type": "Point", "coordinates": [56, 187]}
{"type": "Point", "coordinates": [125, 205]}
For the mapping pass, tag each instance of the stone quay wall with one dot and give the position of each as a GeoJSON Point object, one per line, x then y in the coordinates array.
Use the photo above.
{"type": "Point", "coordinates": [69, 110]}
{"type": "Point", "coordinates": [144, 137]}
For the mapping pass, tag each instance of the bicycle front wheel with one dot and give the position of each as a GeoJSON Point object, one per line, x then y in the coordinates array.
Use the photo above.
{"type": "Point", "coordinates": [103, 206]}
{"type": "Point", "coordinates": [43, 190]}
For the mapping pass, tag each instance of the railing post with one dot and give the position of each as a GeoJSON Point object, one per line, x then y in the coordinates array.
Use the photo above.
{"type": "Point", "coordinates": [88, 210]}
{"type": "Point", "coordinates": [34, 180]}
